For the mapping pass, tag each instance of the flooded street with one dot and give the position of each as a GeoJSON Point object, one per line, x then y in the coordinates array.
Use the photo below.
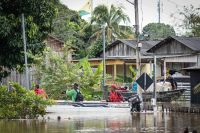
{"type": "Point", "coordinates": [102, 120]}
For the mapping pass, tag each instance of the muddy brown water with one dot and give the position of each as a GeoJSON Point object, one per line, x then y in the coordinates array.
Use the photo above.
{"type": "Point", "coordinates": [102, 120]}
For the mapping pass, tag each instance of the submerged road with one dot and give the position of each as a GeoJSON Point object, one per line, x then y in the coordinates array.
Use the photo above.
{"type": "Point", "coordinates": [109, 119]}
{"type": "Point", "coordinates": [102, 120]}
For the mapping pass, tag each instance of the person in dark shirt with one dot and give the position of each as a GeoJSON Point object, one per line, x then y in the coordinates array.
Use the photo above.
{"type": "Point", "coordinates": [173, 82]}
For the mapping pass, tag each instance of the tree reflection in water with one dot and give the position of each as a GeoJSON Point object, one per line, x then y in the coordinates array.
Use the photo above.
{"type": "Point", "coordinates": [129, 122]}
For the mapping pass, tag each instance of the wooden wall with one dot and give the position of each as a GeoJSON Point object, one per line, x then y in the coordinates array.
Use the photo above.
{"type": "Point", "coordinates": [20, 78]}
{"type": "Point", "coordinates": [173, 48]}
{"type": "Point", "coordinates": [121, 50]}
{"type": "Point", "coordinates": [54, 44]}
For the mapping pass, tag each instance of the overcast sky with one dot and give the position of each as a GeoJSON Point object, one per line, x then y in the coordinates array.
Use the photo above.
{"type": "Point", "coordinates": [147, 10]}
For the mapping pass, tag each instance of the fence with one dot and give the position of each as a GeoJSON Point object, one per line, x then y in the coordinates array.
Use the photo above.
{"type": "Point", "coordinates": [20, 78]}
{"type": "Point", "coordinates": [184, 83]}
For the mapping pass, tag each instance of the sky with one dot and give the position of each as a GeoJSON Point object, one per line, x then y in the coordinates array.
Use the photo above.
{"type": "Point", "coordinates": [148, 11]}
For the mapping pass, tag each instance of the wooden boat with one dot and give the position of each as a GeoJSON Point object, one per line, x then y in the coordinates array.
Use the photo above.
{"type": "Point", "coordinates": [83, 104]}
{"type": "Point", "coordinates": [94, 104]}
{"type": "Point", "coordinates": [162, 96]}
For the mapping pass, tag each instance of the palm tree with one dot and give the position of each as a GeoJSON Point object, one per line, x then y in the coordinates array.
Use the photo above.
{"type": "Point", "coordinates": [110, 18]}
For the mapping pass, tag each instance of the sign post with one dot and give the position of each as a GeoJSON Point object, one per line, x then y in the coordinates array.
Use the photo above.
{"type": "Point", "coordinates": [144, 81]}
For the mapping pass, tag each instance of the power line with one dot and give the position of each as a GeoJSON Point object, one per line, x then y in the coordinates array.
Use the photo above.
{"type": "Point", "coordinates": [177, 5]}
{"type": "Point", "coordinates": [172, 16]}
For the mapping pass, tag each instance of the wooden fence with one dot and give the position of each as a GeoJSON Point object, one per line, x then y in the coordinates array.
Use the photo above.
{"type": "Point", "coordinates": [20, 78]}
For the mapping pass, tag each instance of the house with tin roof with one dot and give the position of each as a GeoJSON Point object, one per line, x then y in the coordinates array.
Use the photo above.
{"type": "Point", "coordinates": [175, 53]}
{"type": "Point", "coordinates": [121, 54]}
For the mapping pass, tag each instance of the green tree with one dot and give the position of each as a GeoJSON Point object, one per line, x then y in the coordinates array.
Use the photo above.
{"type": "Point", "coordinates": [20, 103]}
{"type": "Point", "coordinates": [157, 31]}
{"type": "Point", "coordinates": [191, 20]}
{"type": "Point", "coordinates": [110, 18]}
{"type": "Point", "coordinates": [95, 48]}
{"type": "Point", "coordinates": [68, 25]}
{"type": "Point", "coordinates": [57, 74]}
{"type": "Point", "coordinates": [38, 16]}
{"type": "Point", "coordinates": [90, 78]}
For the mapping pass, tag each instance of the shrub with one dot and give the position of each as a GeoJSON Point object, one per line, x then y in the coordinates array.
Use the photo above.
{"type": "Point", "coordinates": [56, 75]}
{"type": "Point", "coordinates": [18, 103]}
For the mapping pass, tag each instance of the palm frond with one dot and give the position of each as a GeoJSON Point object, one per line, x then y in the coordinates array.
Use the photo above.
{"type": "Point", "coordinates": [112, 17]}
{"type": "Point", "coordinates": [97, 34]}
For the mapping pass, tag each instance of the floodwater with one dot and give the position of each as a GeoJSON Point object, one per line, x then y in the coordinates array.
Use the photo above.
{"type": "Point", "coordinates": [102, 120]}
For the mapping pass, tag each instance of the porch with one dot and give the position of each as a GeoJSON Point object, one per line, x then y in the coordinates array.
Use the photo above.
{"type": "Point", "coordinates": [118, 69]}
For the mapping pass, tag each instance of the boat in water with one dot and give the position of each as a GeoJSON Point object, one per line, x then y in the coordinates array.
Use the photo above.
{"type": "Point", "coordinates": [164, 93]}
{"type": "Point", "coordinates": [94, 104]}
{"type": "Point", "coordinates": [164, 96]}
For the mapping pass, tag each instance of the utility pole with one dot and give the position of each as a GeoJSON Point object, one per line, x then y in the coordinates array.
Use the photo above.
{"type": "Point", "coordinates": [154, 87]}
{"type": "Point", "coordinates": [158, 11]}
{"type": "Point", "coordinates": [136, 20]}
{"type": "Point", "coordinates": [138, 44]}
{"type": "Point", "coordinates": [137, 36]}
{"type": "Point", "coordinates": [104, 63]}
{"type": "Point", "coordinates": [25, 53]}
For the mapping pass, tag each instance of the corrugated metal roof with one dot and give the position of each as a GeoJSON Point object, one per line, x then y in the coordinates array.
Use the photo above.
{"type": "Point", "coordinates": [131, 43]}
{"type": "Point", "coordinates": [145, 44]}
{"type": "Point", "coordinates": [191, 42]}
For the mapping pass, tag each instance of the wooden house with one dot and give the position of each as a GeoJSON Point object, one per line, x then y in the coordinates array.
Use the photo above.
{"type": "Point", "coordinates": [56, 46]}
{"type": "Point", "coordinates": [54, 43]}
{"type": "Point", "coordinates": [176, 53]}
{"type": "Point", "coordinates": [121, 54]}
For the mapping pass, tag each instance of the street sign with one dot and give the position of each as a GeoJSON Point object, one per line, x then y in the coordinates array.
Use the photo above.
{"type": "Point", "coordinates": [144, 81]}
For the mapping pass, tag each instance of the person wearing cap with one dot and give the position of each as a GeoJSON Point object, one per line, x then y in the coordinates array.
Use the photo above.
{"type": "Point", "coordinates": [115, 96]}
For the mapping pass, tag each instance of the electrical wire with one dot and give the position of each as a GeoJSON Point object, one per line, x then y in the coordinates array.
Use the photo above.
{"type": "Point", "coordinates": [166, 14]}
{"type": "Point", "coordinates": [177, 5]}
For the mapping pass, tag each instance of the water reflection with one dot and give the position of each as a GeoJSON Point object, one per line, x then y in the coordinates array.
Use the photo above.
{"type": "Point", "coordinates": [112, 123]}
